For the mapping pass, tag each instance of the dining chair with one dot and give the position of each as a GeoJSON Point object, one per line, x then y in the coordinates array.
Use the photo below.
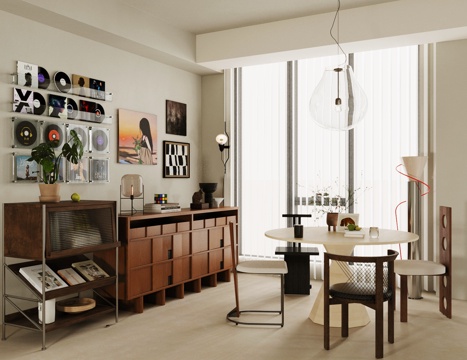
{"type": "Point", "coordinates": [263, 267]}
{"type": "Point", "coordinates": [442, 268]}
{"type": "Point", "coordinates": [370, 281]}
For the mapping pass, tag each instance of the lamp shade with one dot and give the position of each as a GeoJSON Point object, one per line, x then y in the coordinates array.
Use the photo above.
{"type": "Point", "coordinates": [132, 184]}
{"type": "Point", "coordinates": [415, 165]}
{"type": "Point", "coordinates": [338, 102]}
{"type": "Point", "coordinates": [222, 139]}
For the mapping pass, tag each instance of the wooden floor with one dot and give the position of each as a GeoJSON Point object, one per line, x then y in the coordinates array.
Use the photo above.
{"type": "Point", "coordinates": [195, 328]}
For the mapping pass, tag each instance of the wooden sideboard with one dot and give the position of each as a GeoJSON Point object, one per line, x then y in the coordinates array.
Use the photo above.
{"type": "Point", "coordinates": [166, 254]}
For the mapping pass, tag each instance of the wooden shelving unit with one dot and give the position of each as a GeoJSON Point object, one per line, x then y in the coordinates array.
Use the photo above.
{"type": "Point", "coordinates": [169, 253]}
{"type": "Point", "coordinates": [57, 235]}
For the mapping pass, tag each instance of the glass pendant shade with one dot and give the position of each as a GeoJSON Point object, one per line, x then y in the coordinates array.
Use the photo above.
{"type": "Point", "coordinates": [338, 102]}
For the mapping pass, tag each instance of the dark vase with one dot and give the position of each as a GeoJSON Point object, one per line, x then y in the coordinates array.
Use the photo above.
{"type": "Point", "coordinates": [331, 220]}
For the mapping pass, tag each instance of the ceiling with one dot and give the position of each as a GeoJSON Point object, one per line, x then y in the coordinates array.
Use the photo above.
{"type": "Point", "coordinates": [204, 16]}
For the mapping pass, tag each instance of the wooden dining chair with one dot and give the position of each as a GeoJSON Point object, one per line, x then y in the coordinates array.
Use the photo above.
{"type": "Point", "coordinates": [371, 282]}
{"type": "Point", "coordinates": [263, 267]}
{"type": "Point", "coordinates": [442, 268]}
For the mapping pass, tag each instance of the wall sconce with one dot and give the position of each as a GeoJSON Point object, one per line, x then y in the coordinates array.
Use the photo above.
{"type": "Point", "coordinates": [338, 102]}
{"type": "Point", "coordinates": [222, 140]}
{"type": "Point", "coordinates": [131, 187]}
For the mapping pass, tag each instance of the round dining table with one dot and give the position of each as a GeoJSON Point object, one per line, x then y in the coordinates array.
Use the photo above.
{"type": "Point", "coordinates": [335, 242]}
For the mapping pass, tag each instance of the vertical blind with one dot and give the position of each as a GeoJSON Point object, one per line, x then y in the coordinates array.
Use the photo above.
{"type": "Point", "coordinates": [389, 131]}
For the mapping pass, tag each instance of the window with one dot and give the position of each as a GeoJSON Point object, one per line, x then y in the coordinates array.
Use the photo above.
{"type": "Point", "coordinates": [324, 161]}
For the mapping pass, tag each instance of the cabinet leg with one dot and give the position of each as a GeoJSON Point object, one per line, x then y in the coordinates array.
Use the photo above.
{"type": "Point", "coordinates": [138, 305]}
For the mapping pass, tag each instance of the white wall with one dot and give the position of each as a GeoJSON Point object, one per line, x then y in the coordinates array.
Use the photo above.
{"type": "Point", "coordinates": [137, 84]}
{"type": "Point", "coordinates": [450, 148]}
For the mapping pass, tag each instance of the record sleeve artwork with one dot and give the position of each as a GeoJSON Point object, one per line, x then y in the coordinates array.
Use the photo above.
{"type": "Point", "coordinates": [24, 170]}
{"type": "Point", "coordinates": [176, 160]}
{"type": "Point", "coordinates": [31, 75]}
{"type": "Point", "coordinates": [28, 102]}
{"type": "Point", "coordinates": [99, 170]}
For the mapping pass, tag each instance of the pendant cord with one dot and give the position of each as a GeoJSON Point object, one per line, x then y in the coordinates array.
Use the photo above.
{"type": "Point", "coordinates": [332, 27]}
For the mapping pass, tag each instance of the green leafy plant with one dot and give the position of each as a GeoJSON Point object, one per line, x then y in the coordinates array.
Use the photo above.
{"type": "Point", "coordinates": [44, 154]}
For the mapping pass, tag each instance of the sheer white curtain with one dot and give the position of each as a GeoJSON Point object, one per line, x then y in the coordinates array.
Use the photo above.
{"type": "Point", "coordinates": [389, 131]}
{"type": "Point", "coordinates": [263, 171]}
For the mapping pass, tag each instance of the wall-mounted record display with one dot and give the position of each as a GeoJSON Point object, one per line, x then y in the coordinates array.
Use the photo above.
{"type": "Point", "coordinates": [28, 102]}
{"type": "Point", "coordinates": [99, 170]}
{"type": "Point", "coordinates": [78, 173]}
{"type": "Point", "coordinates": [91, 111]}
{"type": "Point", "coordinates": [25, 133]}
{"type": "Point", "coordinates": [57, 106]}
{"type": "Point", "coordinates": [43, 78]}
{"type": "Point", "coordinates": [62, 82]}
{"type": "Point", "coordinates": [23, 101]}
{"type": "Point", "coordinates": [32, 75]}
{"type": "Point", "coordinates": [100, 140]}
{"type": "Point", "coordinates": [82, 132]}
{"type": "Point", "coordinates": [27, 74]}
{"type": "Point", "coordinates": [72, 108]}
{"type": "Point", "coordinates": [24, 170]}
{"type": "Point", "coordinates": [80, 85]}
{"type": "Point", "coordinates": [97, 89]}
{"type": "Point", "coordinates": [53, 132]}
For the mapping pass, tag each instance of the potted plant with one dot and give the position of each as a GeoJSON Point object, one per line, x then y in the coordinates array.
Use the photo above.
{"type": "Point", "coordinates": [44, 154]}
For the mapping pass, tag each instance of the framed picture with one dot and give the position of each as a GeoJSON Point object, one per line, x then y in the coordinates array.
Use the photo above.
{"type": "Point", "coordinates": [24, 170]}
{"type": "Point", "coordinates": [137, 138]}
{"type": "Point", "coordinates": [344, 219]}
{"type": "Point", "coordinates": [176, 159]}
{"type": "Point", "coordinates": [99, 170]}
{"type": "Point", "coordinates": [175, 113]}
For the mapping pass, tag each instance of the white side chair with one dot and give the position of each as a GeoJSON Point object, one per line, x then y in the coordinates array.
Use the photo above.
{"type": "Point", "coordinates": [265, 267]}
{"type": "Point", "coordinates": [442, 268]}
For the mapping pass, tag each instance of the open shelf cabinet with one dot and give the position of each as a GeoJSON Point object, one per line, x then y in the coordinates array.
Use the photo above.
{"type": "Point", "coordinates": [57, 235]}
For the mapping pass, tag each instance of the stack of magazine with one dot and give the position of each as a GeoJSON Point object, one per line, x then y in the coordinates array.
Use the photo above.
{"type": "Point", "coordinates": [78, 273]}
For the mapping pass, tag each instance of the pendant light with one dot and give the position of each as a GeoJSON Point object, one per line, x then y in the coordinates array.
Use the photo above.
{"type": "Point", "coordinates": [338, 102]}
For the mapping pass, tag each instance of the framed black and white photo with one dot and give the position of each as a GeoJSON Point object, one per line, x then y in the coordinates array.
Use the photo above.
{"type": "Point", "coordinates": [176, 160]}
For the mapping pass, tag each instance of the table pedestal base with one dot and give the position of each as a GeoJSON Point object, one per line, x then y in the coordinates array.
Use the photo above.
{"type": "Point", "coordinates": [358, 314]}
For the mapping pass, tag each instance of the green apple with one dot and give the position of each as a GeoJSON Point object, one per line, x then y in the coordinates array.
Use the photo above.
{"type": "Point", "coordinates": [75, 197]}
{"type": "Point", "coordinates": [351, 227]}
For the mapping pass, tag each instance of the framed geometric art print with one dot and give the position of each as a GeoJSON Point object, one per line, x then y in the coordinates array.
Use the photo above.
{"type": "Point", "coordinates": [176, 160]}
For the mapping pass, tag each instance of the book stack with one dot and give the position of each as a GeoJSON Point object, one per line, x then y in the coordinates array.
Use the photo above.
{"type": "Point", "coordinates": [161, 208]}
{"type": "Point", "coordinates": [354, 233]}
{"type": "Point", "coordinates": [34, 275]}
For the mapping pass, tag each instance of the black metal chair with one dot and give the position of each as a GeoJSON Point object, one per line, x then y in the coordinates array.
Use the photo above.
{"type": "Point", "coordinates": [264, 267]}
{"type": "Point", "coordinates": [371, 282]}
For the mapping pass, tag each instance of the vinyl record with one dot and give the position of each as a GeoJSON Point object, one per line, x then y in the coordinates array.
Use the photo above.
{"type": "Point", "coordinates": [26, 133]}
{"type": "Point", "coordinates": [83, 136]}
{"type": "Point", "coordinates": [100, 140]}
{"type": "Point", "coordinates": [71, 108]}
{"type": "Point", "coordinates": [43, 77]}
{"type": "Point", "coordinates": [39, 104]}
{"type": "Point", "coordinates": [100, 113]}
{"type": "Point", "coordinates": [53, 132]}
{"type": "Point", "coordinates": [62, 82]}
